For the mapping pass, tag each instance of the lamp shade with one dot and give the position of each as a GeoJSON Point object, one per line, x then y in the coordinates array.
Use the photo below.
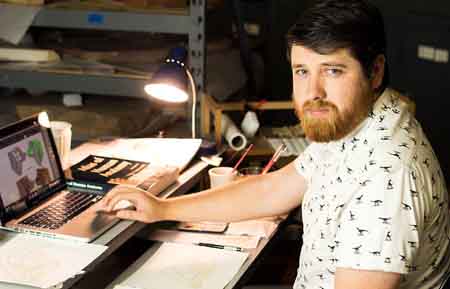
{"type": "Point", "coordinates": [170, 82]}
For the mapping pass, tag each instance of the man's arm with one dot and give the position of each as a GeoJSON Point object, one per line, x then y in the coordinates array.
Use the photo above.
{"type": "Point", "coordinates": [251, 197]}
{"type": "Point", "coordinates": [364, 279]}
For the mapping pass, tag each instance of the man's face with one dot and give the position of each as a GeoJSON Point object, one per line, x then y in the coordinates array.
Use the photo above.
{"type": "Point", "coordinates": [332, 95]}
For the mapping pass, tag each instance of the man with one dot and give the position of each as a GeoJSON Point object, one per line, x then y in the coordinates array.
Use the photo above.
{"type": "Point", "coordinates": [374, 201]}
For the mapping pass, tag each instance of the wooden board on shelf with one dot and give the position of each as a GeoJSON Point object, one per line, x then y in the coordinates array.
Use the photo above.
{"type": "Point", "coordinates": [28, 55]}
{"type": "Point", "coordinates": [24, 2]}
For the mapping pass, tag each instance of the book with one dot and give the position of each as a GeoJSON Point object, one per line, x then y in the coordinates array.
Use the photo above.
{"type": "Point", "coordinates": [99, 174]}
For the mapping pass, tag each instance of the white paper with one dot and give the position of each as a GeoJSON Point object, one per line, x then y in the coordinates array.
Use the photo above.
{"type": "Point", "coordinates": [15, 21]}
{"type": "Point", "coordinates": [180, 266]}
{"type": "Point", "coordinates": [43, 262]}
{"type": "Point", "coordinates": [124, 287]}
{"type": "Point", "coordinates": [246, 242]}
{"type": "Point", "coordinates": [259, 227]}
{"type": "Point", "coordinates": [176, 152]}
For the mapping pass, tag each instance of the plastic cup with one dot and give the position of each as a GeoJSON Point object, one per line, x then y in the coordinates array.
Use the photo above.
{"type": "Point", "coordinates": [62, 135]}
{"type": "Point", "coordinates": [219, 176]}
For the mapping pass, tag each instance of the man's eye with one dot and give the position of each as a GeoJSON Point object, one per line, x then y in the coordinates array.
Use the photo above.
{"type": "Point", "coordinates": [301, 72]}
{"type": "Point", "coordinates": [334, 71]}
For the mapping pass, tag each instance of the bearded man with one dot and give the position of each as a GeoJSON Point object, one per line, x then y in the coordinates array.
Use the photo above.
{"type": "Point", "coordinates": [374, 201]}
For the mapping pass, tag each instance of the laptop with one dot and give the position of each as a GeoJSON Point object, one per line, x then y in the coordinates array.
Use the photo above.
{"type": "Point", "coordinates": [34, 195]}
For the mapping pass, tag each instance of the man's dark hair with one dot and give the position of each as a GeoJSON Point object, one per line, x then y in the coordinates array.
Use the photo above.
{"type": "Point", "coordinates": [334, 24]}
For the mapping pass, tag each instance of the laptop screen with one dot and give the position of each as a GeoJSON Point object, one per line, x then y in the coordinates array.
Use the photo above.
{"type": "Point", "coordinates": [30, 169]}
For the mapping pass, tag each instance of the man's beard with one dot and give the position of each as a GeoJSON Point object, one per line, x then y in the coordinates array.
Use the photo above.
{"type": "Point", "coordinates": [336, 124]}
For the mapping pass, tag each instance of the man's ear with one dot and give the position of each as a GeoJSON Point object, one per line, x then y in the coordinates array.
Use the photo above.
{"type": "Point", "coordinates": [377, 73]}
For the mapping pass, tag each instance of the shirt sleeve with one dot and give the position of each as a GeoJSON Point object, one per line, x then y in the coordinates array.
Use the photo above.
{"type": "Point", "coordinates": [382, 232]}
{"type": "Point", "coordinates": [304, 163]}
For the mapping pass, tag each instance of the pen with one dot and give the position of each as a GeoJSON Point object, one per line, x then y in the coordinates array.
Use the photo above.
{"type": "Point", "coordinates": [220, 246]}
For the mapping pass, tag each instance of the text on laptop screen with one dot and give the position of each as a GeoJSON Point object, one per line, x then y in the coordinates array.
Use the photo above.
{"type": "Point", "coordinates": [29, 169]}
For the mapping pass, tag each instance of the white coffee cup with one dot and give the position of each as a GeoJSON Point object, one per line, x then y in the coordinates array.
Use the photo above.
{"type": "Point", "coordinates": [219, 176]}
{"type": "Point", "coordinates": [62, 134]}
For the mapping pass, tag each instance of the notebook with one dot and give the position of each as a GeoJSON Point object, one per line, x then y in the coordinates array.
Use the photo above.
{"type": "Point", "coordinates": [35, 196]}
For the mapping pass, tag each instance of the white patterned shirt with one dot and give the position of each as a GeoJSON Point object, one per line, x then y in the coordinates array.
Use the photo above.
{"type": "Point", "coordinates": [375, 200]}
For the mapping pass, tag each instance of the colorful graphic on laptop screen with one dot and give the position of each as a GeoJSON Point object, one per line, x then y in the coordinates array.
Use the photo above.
{"type": "Point", "coordinates": [27, 169]}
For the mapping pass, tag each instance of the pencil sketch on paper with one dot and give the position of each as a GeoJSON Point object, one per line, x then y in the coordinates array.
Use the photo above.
{"type": "Point", "coordinates": [185, 266]}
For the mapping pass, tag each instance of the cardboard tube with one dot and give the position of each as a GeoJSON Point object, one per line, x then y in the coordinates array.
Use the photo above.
{"type": "Point", "coordinates": [235, 138]}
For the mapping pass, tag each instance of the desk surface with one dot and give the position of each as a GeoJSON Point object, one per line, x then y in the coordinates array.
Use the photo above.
{"type": "Point", "coordinates": [124, 230]}
{"type": "Point", "coordinates": [253, 255]}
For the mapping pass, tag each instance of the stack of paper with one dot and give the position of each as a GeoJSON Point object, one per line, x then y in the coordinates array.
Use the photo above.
{"type": "Point", "coordinates": [42, 262]}
{"type": "Point", "coordinates": [174, 236]}
{"type": "Point", "coordinates": [156, 151]}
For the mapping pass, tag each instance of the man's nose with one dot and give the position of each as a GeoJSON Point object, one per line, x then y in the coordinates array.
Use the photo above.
{"type": "Point", "coordinates": [316, 89]}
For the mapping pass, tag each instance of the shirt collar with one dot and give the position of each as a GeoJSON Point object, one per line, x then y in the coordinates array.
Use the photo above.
{"type": "Point", "coordinates": [359, 132]}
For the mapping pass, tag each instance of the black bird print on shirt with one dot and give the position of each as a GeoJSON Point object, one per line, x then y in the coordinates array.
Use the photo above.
{"type": "Point", "coordinates": [386, 169]}
{"type": "Point", "coordinates": [388, 236]}
{"type": "Point", "coordinates": [385, 220]}
{"type": "Point", "coordinates": [361, 232]}
{"type": "Point", "coordinates": [412, 244]}
{"type": "Point", "coordinates": [385, 107]}
{"type": "Point", "coordinates": [406, 207]}
{"type": "Point", "coordinates": [364, 183]}
{"type": "Point", "coordinates": [389, 185]}
{"type": "Point", "coordinates": [357, 250]}
{"type": "Point", "coordinates": [377, 203]}
{"type": "Point", "coordinates": [333, 260]}
{"type": "Point", "coordinates": [396, 154]}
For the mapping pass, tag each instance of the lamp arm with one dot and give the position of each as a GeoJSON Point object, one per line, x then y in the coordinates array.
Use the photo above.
{"type": "Point", "coordinates": [194, 99]}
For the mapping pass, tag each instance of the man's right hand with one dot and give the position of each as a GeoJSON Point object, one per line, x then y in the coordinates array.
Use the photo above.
{"type": "Point", "coordinates": [145, 207]}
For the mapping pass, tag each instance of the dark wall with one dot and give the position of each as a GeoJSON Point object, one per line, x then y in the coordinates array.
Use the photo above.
{"type": "Point", "coordinates": [426, 81]}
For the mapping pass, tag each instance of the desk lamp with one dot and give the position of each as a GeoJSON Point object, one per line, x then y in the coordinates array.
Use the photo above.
{"type": "Point", "coordinates": [169, 83]}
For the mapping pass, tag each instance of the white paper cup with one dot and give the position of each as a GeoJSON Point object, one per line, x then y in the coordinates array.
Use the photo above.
{"type": "Point", "coordinates": [62, 134]}
{"type": "Point", "coordinates": [219, 176]}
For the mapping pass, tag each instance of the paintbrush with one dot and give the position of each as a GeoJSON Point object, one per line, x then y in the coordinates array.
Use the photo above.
{"type": "Point", "coordinates": [274, 159]}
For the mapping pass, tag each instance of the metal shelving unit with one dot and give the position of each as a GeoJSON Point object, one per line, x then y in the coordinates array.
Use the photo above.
{"type": "Point", "coordinates": [190, 22]}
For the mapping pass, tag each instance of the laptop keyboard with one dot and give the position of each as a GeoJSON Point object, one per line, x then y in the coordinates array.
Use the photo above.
{"type": "Point", "coordinates": [61, 211]}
